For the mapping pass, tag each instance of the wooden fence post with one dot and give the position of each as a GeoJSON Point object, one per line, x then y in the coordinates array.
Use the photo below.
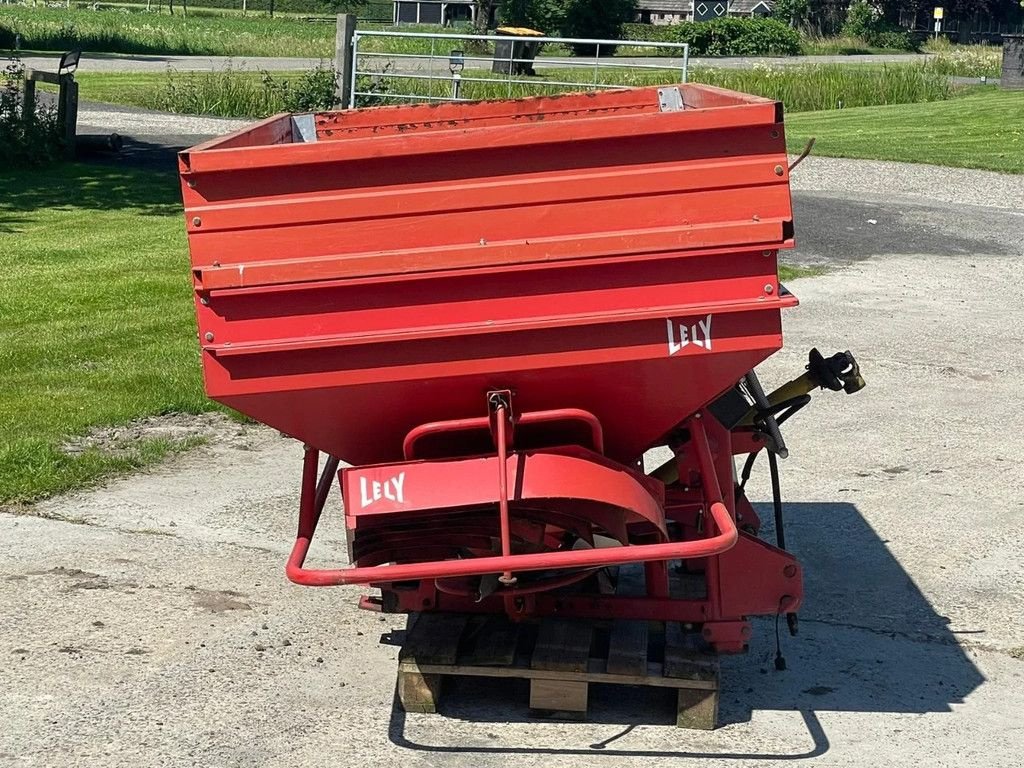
{"type": "Point", "coordinates": [344, 61]}
{"type": "Point", "coordinates": [28, 104]}
{"type": "Point", "coordinates": [69, 101]}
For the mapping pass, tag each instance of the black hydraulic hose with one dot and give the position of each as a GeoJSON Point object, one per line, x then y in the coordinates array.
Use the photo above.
{"type": "Point", "coordinates": [323, 487]}
{"type": "Point", "coordinates": [780, 529]}
{"type": "Point", "coordinates": [764, 407]}
{"type": "Point", "coordinates": [790, 407]}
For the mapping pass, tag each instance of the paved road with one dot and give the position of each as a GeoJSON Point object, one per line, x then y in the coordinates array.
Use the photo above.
{"type": "Point", "coordinates": [109, 62]}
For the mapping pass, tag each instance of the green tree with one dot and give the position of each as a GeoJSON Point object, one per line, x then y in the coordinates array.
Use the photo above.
{"type": "Point", "coordinates": [600, 19]}
{"type": "Point", "coordinates": [547, 16]}
{"type": "Point", "coordinates": [482, 21]}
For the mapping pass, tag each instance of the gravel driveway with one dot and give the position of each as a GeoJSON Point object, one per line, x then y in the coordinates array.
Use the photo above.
{"type": "Point", "coordinates": [148, 622]}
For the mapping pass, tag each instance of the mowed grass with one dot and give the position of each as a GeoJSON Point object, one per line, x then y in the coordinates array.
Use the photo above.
{"type": "Point", "coordinates": [97, 324]}
{"type": "Point", "coordinates": [984, 129]}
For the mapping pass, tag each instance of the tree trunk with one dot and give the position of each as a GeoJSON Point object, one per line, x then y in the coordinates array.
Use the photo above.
{"type": "Point", "coordinates": [483, 16]}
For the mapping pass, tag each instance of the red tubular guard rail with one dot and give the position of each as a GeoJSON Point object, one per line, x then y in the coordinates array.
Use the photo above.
{"type": "Point", "coordinates": [525, 419]}
{"type": "Point", "coordinates": [310, 508]}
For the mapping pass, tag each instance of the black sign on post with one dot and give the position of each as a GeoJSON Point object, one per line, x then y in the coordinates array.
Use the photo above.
{"type": "Point", "coordinates": [69, 62]}
{"type": "Point", "coordinates": [706, 10]}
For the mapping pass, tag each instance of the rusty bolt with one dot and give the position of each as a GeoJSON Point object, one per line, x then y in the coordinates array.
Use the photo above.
{"type": "Point", "coordinates": [766, 253]}
{"type": "Point", "coordinates": [191, 183]}
{"type": "Point", "coordinates": [789, 571]}
{"type": "Point", "coordinates": [209, 336]}
{"type": "Point", "coordinates": [775, 134]}
{"type": "Point", "coordinates": [196, 221]}
{"type": "Point", "coordinates": [768, 288]}
{"type": "Point", "coordinates": [779, 170]}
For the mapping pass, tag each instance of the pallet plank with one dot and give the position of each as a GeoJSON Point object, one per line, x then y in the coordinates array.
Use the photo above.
{"type": "Point", "coordinates": [686, 656]}
{"type": "Point", "coordinates": [627, 648]}
{"type": "Point", "coordinates": [558, 699]}
{"type": "Point", "coordinates": [418, 692]}
{"type": "Point", "coordinates": [434, 638]}
{"type": "Point", "coordinates": [652, 679]}
{"type": "Point", "coordinates": [697, 709]}
{"type": "Point", "coordinates": [563, 645]}
{"type": "Point", "coordinates": [496, 643]}
{"type": "Point", "coordinates": [559, 666]}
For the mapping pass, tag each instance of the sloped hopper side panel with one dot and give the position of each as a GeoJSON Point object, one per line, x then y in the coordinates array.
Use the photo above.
{"type": "Point", "coordinates": [587, 251]}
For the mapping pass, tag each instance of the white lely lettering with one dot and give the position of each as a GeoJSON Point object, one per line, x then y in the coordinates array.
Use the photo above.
{"type": "Point", "coordinates": [682, 334]}
{"type": "Point", "coordinates": [392, 489]}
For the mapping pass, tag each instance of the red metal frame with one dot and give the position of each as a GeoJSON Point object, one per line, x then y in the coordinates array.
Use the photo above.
{"type": "Point", "coordinates": [714, 544]}
{"type": "Point", "coordinates": [491, 311]}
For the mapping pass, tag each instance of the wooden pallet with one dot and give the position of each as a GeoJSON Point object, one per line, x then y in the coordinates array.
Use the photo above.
{"type": "Point", "coordinates": [560, 658]}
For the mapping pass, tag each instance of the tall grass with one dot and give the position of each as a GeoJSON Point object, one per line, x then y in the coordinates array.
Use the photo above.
{"type": "Point", "coordinates": [965, 60]}
{"type": "Point", "coordinates": [837, 46]}
{"type": "Point", "coordinates": [801, 88]}
{"type": "Point", "coordinates": [150, 33]}
{"type": "Point", "coordinates": [233, 93]}
{"type": "Point", "coordinates": [832, 86]}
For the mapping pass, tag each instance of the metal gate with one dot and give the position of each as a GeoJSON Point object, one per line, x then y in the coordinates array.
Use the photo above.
{"type": "Point", "coordinates": [424, 66]}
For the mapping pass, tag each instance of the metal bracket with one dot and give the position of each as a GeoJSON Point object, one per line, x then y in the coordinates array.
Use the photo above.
{"type": "Point", "coordinates": [303, 128]}
{"type": "Point", "coordinates": [670, 99]}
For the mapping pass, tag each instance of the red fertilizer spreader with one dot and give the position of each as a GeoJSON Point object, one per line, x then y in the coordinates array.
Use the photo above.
{"type": "Point", "coordinates": [490, 312]}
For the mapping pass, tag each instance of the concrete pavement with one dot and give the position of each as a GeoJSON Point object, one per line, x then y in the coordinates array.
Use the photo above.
{"type": "Point", "coordinates": [148, 622]}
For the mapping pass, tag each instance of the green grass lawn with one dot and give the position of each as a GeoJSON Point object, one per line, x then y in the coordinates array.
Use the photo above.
{"type": "Point", "coordinates": [984, 129]}
{"type": "Point", "coordinates": [97, 324]}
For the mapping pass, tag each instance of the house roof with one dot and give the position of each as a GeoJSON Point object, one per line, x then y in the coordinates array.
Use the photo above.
{"type": "Point", "coordinates": [685, 6]}
{"type": "Point", "coordinates": [665, 6]}
{"type": "Point", "coordinates": [748, 6]}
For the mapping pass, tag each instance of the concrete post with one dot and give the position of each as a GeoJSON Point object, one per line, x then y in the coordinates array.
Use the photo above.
{"type": "Point", "coordinates": [1013, 62]}
{"type": "Point", "coordinates": [344, 61]}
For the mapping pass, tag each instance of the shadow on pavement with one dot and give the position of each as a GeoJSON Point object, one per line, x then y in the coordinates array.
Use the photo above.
{"type": "Point", "coordinates": [869, 642]}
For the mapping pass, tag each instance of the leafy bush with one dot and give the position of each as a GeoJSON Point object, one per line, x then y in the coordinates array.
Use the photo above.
{"type": "Point", "coordinates": [312, 92]}
{"type": "Point", "coordinates": [730, 36]}
{"type": "Point", "coordinates": [865, 22]}
{"type": "Point", "coordinates": [655, 33]}
{"type": "Point", "coordinates": [894, 40]}
{"type": "Point", "coordinates": [231, 93]}
{"type": "Point", "coordinates": [25, 142]}
{"type": "Point", "coordinates": [861, 20]}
